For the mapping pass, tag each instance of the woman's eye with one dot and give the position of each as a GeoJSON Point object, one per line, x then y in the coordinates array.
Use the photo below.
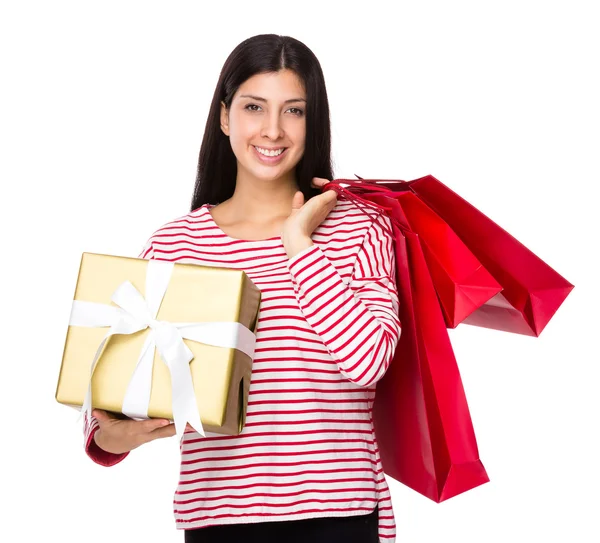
{"type": "Point", "coordinates": [295, 110]}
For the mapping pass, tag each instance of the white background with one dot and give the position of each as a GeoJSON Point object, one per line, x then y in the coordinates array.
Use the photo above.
{"type": "Point", "coordinates": [103, 109]}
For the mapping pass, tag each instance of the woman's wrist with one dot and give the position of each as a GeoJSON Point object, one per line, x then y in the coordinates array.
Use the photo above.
{"type": "Point", "coordinates": [297, 245]}
{"type": "Point", "coordinates": [106, 447]}
{"type": "Point", "coordinates": [97, 438]}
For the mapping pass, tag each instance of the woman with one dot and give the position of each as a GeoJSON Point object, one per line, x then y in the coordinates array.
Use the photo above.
{"type": "Point", "coordinates": [306, 465]}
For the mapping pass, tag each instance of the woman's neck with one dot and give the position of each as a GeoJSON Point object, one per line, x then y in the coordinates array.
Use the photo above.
{"type": "Point", "coordinates": [260, 201]}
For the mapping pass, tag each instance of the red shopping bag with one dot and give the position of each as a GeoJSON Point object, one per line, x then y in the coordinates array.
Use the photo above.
{"type": "Point", "coordinates": [532, 290]}
{"type": "Point", "coordinates": [422, 420]}
{"type": "Point", "coordinates": [461, 282]}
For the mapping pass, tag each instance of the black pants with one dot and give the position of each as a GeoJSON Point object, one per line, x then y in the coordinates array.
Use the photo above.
{"type": "Point", "coordinates": [357, 529]}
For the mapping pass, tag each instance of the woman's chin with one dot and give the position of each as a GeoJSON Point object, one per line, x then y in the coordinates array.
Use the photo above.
{"type": "Point", "coordinates": [270, 173]}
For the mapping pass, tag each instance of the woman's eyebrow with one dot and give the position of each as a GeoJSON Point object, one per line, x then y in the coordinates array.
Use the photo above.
{"type": "Point", "coordinates": [259, 99]}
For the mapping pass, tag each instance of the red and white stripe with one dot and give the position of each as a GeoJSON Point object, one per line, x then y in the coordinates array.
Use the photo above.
{"type": "Point", "coordinates": [327, 330]}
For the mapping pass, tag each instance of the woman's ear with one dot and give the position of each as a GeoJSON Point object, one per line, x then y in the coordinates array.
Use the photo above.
{"type": "Point", "coordinates": [224, 119]}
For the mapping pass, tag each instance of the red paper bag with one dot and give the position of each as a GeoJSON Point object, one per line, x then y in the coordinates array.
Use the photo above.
{"type": "Point", "coordinates": [532, 290]}
{"type": "Point", "coordinates": [461, 282]}
{"type": "Point", "coordinates": [422, 420]}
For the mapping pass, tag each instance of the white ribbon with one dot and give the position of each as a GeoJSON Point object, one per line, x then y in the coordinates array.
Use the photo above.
{"type": "Point", "coordinates": [136, 313]}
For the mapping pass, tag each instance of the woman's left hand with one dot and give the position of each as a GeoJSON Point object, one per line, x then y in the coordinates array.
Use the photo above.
{"type": "Point", "coordinates": [305, 217]}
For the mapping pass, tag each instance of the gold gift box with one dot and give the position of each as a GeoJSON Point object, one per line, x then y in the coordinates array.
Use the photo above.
{"type": "Point", "coordinates": [221, 376]}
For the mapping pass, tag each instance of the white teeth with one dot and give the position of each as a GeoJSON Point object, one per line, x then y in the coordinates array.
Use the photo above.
{"type": "Point", "coordinates": [266, 152]}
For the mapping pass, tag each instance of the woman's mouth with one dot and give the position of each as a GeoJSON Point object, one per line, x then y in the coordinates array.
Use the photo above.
{"type": "Point", "coordinates": [267, 156]}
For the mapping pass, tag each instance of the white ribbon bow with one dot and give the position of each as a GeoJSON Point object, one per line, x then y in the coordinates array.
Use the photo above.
{"type": "Point", "coordinates": [136, 313]}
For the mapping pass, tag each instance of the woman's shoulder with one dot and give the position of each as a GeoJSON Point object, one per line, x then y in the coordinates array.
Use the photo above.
{"type": "Point", "coordinates": [346, 231]}
{"type": "Point", "coordinates": [353, 219]}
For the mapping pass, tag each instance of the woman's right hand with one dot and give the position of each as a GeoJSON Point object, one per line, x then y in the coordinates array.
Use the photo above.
{"type": "Point", "coordinates": [118, 436]}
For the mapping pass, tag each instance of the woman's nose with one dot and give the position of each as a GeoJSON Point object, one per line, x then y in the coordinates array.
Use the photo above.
{"type": "Point", "coordinates": [272, 127]}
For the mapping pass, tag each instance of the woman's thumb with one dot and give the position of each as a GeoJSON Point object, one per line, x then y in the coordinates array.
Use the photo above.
{"type": "Point", "coordinates": [298, 201]}
{"type": "Point", "coordinates": [100, 414]}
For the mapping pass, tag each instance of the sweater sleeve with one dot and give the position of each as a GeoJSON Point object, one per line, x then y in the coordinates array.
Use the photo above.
{"type": "Point", "coordinates": [90, 427]}
{"type": "Point", "coordinates": [358, 322]}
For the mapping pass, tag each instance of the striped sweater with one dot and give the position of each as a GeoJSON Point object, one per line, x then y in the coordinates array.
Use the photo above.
{"type": "Point", "coordinates": [327, 330]}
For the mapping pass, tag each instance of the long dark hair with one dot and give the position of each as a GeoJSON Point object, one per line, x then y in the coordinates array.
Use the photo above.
{"type": "Point", "coordinates": [265, 53]}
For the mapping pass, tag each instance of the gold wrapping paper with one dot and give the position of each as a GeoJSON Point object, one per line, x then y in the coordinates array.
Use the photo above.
{"type": "Point", "coordinates": [221, 376]}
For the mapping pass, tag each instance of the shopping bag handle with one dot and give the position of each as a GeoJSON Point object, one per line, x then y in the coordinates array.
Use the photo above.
{"type": "Point", "coordinates": [364, 204]}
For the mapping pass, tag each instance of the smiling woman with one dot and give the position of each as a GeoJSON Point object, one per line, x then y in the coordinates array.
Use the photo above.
{"type": "Point", "coordinates": [306, 466]}
{"type": "Point", "coordinates": [273, 132]}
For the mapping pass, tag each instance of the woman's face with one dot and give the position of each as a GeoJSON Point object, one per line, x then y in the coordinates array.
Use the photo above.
{"type": "Point", "coordinates": [267, 114]}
